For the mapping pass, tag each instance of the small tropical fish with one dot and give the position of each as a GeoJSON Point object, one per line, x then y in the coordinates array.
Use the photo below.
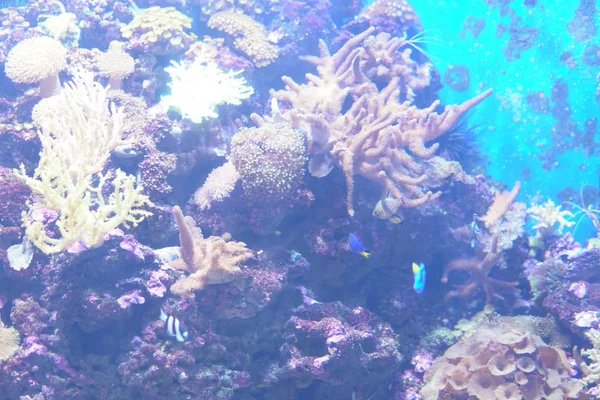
{"type": "Point", "coordinates": [474, 231]}
{"type": "Point", "coordinates": [357, 246]}
{"type": "Point", "coordinates": [175, 328]}
{"type": "Point", "coordinates": [420, 276]}
{"type": "Point", "coordinates": [388, 208]}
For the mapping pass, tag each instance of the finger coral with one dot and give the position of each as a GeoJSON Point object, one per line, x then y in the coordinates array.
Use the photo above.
{"type": "Point", "coordinates": [250, 37]}
{"type": "Point", "coordinates": [159, 30]}
{"type": "Point", "coordinates": [501, 361]}
{"type": "Point", "coordinates": [375, 136]}
{"type": "Point", "coordinates": [269, 159]}
{"type": "Point", "coordinates": [210, 261]}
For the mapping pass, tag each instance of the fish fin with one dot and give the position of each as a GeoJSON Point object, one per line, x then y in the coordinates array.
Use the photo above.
{"type": "Point", "coordinates": [240, 283]}
{"type": "Point", "coordinates": [364, 254]}
{"type": "Point", "coordinates": [163, 315]}
{"type": "Point", "coordinates": [415, 268]}
{"type": "Point", "coordinates": [394, 219]}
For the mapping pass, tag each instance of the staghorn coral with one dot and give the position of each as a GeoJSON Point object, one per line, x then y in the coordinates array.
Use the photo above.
{"type": "Point", "coordinates": [501, 361]}
{"type": "Point", "coordinates": [159, 30]}
{"type": "Point", "coordinates": [270, 161]}
{"type": "Point", "coordinates": [250, 37]}
{"type": "Point", "coordinates": [376, 137]}
{"type": "Point", "coordinates": [210, 261]}
{"type": "Point", "coordinates": [478, 277]}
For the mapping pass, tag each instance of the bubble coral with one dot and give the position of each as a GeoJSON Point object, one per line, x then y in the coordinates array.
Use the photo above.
{"type": "Point", "coordinates": [159, 30]}
{"type": "Point", "coordinates": [501, 362]}
{"type": "Point", "coordinates": [250, 36]}
{"type": "Point", "coordinates": [37, 60]}
{"type": "Point", "coordinates": [269, 159]}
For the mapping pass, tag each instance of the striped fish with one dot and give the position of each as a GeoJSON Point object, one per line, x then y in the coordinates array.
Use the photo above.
{"type": "Point", "coordinates": [174, 327]}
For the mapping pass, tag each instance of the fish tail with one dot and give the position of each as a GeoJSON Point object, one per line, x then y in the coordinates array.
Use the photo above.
{"type": "Point", "coordinates": [364, 254]}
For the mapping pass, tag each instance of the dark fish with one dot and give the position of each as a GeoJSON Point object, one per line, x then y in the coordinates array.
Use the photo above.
{"type": "Point", "coordinates": [357, 246]}
{"type": "Point", "coordinates": [474, 231]}
{"type": "Point", "coordinates": [174, 327]}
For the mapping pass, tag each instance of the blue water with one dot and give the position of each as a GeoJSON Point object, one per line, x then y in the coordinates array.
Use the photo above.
{"type": "Point", "coordinates": [515, 137]}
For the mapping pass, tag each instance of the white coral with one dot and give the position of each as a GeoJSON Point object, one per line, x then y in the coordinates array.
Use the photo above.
{"type": "Point", "coordinates": [197, 90]}
{"type": "Point", "coordinates": [549, 214]}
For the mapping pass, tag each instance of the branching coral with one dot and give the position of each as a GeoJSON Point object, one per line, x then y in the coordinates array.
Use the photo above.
{"type": "Point", "coordinates": [478, 277]}
{"type": "Point", "coordinates": [250, 36]}
{"type": "Point", "coordinates": [76, 143]}
{"type": "Point", "coordinates": [376, 137]}
{"type": "Point", "coordinates": [210, 261]}
{"type": "Point", "coordinates": [501, 361]}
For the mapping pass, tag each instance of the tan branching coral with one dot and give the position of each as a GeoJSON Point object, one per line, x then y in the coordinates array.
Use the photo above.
{"type": "Point", "coordinates": [210, 261]}
{"type": "Point", "coordinates": [501, 361]}
{"type": "Point", "coordinates": [376, 136]}
{"type": "Point", "coordinates": [591, 370]}
{"type": "Point", "coordinates": [250, 37]}
{"type": "Point", "coordinates": [479, 279]}
{"type": "Point", "coordinates": [501, 204]}
{"type": "Point", "coordinates": [387, 57]}
{"type": "Point", "coordinates": [159, 30]}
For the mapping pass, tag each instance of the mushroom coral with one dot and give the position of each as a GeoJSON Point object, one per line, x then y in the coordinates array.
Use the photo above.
{"type": "Point", "coordinates": [37, 60]}
{"type": "Point", "coordinates": [501, 361]}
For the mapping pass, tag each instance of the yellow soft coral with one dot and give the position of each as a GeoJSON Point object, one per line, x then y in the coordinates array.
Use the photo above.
{"type": "Point", "coordinates": [76, 142]}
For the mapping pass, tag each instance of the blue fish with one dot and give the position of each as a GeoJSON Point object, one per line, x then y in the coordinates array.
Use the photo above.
{"type": "Point", "coordinates": [357, 246]}
{"type": "Point", "coordinates": [420, 276]}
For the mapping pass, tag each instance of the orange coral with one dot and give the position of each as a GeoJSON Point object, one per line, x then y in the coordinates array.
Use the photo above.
{"type": "Point", "coordinates": [500, 206]}
{"type": "Point", "coordinates": [501, 361]}
{"type": "Point", "coordinates": [211, 261]}
{"type": "Point", "coordinates": [377, 137]}
{"type": "Point", "coordinates": [478, 277]}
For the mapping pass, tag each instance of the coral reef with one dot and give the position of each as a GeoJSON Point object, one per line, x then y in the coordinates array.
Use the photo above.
{"type": "Point", "coordinates": [501, 361]}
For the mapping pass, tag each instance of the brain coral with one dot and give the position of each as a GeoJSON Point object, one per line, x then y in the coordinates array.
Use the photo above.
{"type": "Point", "coordinates": [501, 361]}
{"type": "Point", "coordinates": [269, 159]}
{"type": "Point", "coordinates": [159, 30]}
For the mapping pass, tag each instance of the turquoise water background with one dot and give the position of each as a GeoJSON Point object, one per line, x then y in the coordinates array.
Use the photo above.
{"type": "Point", "coordinates": [512, 135]}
